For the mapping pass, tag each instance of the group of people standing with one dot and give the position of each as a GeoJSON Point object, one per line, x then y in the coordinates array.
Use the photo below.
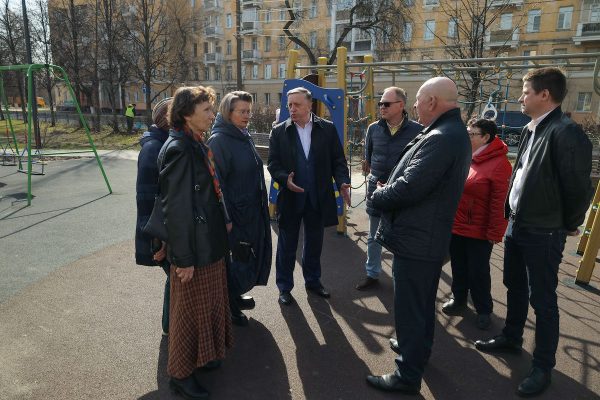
{"type": "Point", "coordinates": [435, 188]}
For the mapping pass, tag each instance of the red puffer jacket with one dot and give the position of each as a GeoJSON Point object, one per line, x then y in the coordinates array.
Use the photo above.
{"type": "Point", "coordinates": [480, 213]}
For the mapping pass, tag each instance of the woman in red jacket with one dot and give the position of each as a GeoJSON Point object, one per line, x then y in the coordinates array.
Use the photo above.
{"type": "Point", "coordinates": [479, 222]}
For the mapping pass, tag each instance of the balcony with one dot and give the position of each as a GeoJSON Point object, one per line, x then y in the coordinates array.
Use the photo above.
{"type": "Point", "coordinates": [501, 38]}
{"type": "Point", "coordinates": [212, 6]}
{"type": "Point", "coordinates": [251, 56]}
{"type": "Point", "coordinates": [587, 32]}
{"type": "Point", "coordinates": [213, 32]}
{"type": "Point", "coordinates": [251, 4]}
{"type": "Point", "coordinates": [250, 28]}
{"type": "Point", "coordinates": [506, 3]}
{"type": "Point", "coordinates": [213, 58]}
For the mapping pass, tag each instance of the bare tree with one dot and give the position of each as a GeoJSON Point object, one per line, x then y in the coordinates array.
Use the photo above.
{"type": "Point", "coordinates": [13, 40]}
{"type": "Point", "coordinates": [41, 33]}
{"type": "Point", "coordinates": [157, 38]}
{"type": "Point", "coordinates": [471, 25]}
{"type": "Point", "coordinates": [383, 20]}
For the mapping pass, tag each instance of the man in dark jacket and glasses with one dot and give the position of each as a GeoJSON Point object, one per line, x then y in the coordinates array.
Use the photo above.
{"type": "Point", "coordinates": [549, 194]}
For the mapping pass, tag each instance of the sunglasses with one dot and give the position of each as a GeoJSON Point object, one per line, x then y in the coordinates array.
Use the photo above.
{"type": "Point", "coordinates": [386, 104]}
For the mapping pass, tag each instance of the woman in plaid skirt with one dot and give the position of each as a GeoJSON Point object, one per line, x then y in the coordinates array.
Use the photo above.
{"type": "Point", "coordinates": [197, 223]}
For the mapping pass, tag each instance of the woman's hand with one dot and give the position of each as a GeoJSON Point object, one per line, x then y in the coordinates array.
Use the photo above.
{"type": "Point", "coordinates": [185, 274]}
{"type": "Point", "coordinates": [229, 226]}
{"type": "Point", "coordinates": [161, 254]}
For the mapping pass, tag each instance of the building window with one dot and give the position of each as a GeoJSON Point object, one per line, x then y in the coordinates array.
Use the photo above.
{"type": "Point", "coordinates": [268, 71]}
{"type": "Point", "coordinates": [229, 73]}
{"type": "Point", "coordinates": [255, 72]}
{"type": "Point", "coordinates": [506, 21]}
{"type": "Point", "coordinates": [429, 31]}
{"type": "Point", "coordinates": [243, 72]}
{"type": "Point", "coordinates": [196, 73]}
{"type": "Point", "coordinates": [431, 3]}
{"type": "Point", "coordinates": [584, 102]}
{"type": "Point", "coordinates": [267, 98]}
{"type": "Point", "coordinates": [530, 53]}
{"type": "Point", "coordinates": [254, 43]}
{"type": "Point", "coordinates": [564, 18]}
{"type": "Point", "coordinates": [217, 73]}
{"type": "Point", "coordinates": [313, 9]}
{"type": "Point", "coordinates": [228, 47]}
{"type": "Point", "coordinates": [205, 47]}
{"type": "Point", "coordinates": [206, 74]}
{"type": "Point", "coordinates": [281, 70]}
{"type": "Point", "coordinates": [312, 42]}
{"type": "Point", "coordinates": [590, 11]}
{"type": "Point", "coordinates": [268, 43]}
{"type": "Point", "coordinates": [452, 27]}
{"type": "Point", "coordinates": [267, 16]}
{"type": "Point", "coordinates": [559, 51]}
{"type": "Point", "coordinates": [281, 42]}
{"type": "Point", "coordinates": [228, 21]}
{"type": "Point", "coordinates": [195, 49]}
{"type": "Point", "coordinates": [408, 32]}
{"type": "Point", "coordinates": [282, 15]}
{"type": "Point", "coordinates": [534, 18]}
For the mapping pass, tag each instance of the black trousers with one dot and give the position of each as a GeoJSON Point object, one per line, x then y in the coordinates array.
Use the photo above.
{"type": "Point", "coordinates": [531, 261]}
{"type": "Point", "coordinates": [311, 251]}
{"type": "Point", "coordinates": [415, 288]}
{"type": "Point", "coordinates": [470, 261]}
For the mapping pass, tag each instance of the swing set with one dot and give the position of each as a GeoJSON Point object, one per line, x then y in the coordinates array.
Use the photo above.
{"type": "Point", "coordinates": [9, 147]}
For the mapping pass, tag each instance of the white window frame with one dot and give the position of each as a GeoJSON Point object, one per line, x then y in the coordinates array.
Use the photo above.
{"type": "Point", "coordinates": [452, 25]}
{"type": "Point", "coordinates": [268, 71]}
{"type": "Point", "coordinates": [534, 16]}
{"type": "Point", "coordinates": [566, 14]}
{"type": "Point", "coordinates": [429, 30]}
{"type": "Point", "coordinates": [584, 102]}
{"type": "Point", "coordinates": [228, 21]}
{"type": "Point", "coordinates": [506, 21]}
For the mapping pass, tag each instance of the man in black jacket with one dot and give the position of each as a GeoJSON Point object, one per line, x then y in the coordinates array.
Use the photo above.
{"type": "Point", "coordinates": [418, 205]}
{"type": "Point", "coordinates": [384, 142]}
{"type": "Point", "coordinates": [304, 154]}
{"type": "Point", "coordinates": [549, 193]}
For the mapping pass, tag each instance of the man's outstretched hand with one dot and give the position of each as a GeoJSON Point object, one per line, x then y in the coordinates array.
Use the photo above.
{"type": "Point", "coordinates": [292, 186]}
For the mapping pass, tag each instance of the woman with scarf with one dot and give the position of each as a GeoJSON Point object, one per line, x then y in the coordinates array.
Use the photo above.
{"type": "Point", "coordinates": [195, 218]}
{"type": "Point", "coordinates": [243, 183]}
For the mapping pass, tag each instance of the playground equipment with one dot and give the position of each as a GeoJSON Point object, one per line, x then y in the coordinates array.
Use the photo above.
{"type": "Point", "coordinates": [11, 150]}
{"type": "Point", "coordinates": [500, 86]}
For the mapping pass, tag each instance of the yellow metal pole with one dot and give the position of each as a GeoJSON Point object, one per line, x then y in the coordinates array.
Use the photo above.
{"type": "Point", "coordinates": [588, 262]}
{"type": "Point", "coordinates": [341, 82]}
{"type": "Point", "coordinates": [590, 221]}
{"type": "Point", "coordinates": [370, 91]}
{"type": "Point", "coordinates": [321, 83]}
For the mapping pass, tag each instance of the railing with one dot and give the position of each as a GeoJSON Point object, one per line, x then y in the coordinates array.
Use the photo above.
{"type": "Point", "coordinates": [250, 55]}
{"type": "Point", "coordinates": [212, 58]}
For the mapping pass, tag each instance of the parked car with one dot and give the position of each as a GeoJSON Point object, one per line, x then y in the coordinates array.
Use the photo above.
{"type": "Point", "coordinates": [510, 124]}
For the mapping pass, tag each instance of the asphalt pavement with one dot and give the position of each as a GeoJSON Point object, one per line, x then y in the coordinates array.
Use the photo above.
{"type": "Point", "coordinates": [79, 320]}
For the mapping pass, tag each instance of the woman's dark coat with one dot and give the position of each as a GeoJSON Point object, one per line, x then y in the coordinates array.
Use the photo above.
{"type": "Point", "coordinates": [193, 214]}
{"type": "Point", "coordinates": [243, 183]}
{"type": "Point", "coordinates": [146, 187]}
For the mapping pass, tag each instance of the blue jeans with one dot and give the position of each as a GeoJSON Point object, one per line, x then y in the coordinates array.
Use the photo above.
{"type": "Point", "coordinates": [373, 264]}
{"type": "Point", "coordinates": [531, 261]}
{"type": "Point", "coordinates": [415, 288]}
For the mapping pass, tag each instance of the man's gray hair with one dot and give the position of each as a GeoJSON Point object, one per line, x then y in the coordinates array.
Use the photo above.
{"type": "Point", "coordinates": [229, 100]}
{"type": "Point", "coordinates": [398, 91]}
{"type": "Point", "coordinates": [301, 90]}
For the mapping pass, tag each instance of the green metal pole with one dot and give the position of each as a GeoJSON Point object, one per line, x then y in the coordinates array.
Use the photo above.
{"type": "Point", "coordinates": [85, 125]}
{"type": "Point", "coordinates": [29, 122]}
{"type": "Point", "coordinates": [7, 112]}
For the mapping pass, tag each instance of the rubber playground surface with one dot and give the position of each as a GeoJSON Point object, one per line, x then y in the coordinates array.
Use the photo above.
{"type": "Point", "coordinates": [80, 320]}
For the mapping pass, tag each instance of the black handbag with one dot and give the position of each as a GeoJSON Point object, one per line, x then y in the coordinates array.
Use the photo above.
{"type": "Point", "coordinates": [155, 227]}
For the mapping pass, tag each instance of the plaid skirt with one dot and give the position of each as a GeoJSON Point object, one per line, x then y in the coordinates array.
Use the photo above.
{"type": "Point", "coordinates": [199, 320]}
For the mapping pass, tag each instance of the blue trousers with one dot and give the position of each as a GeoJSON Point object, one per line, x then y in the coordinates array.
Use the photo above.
{"type": "Point", "coordinates": [287, 244]}
{"type": "Point", "coordinates": [373, 264]}
{"type": "Point", "coordinates": [415, 288]}
{"type": "Point", "coordinates": [531, 260]}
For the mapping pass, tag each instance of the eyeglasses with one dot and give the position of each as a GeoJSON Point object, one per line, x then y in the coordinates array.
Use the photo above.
{"type": "Point", "coordinates": [246, 113]}
{"type": "Point", "coordinates": [386, 104]}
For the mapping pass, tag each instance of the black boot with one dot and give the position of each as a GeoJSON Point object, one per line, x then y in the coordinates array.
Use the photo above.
{"type": "Point", "coordinates": [188, 388]}
{"type": "Point", "coordinates": [237, 316]}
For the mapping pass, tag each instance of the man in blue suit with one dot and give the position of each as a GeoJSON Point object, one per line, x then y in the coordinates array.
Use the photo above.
{"type": "Point", "coordinates": [304, 154]}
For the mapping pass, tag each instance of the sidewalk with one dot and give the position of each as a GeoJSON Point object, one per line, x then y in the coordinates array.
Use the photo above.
{"type": "Point", "coordinates": [79, 320]}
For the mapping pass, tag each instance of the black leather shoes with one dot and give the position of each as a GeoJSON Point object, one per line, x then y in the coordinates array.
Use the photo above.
{"type": "Point", "coordinates": [319, 291]}
{"type": "Point", "coordinates": [285, 298]}
{"type": "Point", "coordinates": [454, 307]}
{"type": "Point", "coordinates": [499, 344]}
{"type": "Point", "coordinates": [394, 346]}
{"type": "Point", "coordinates": [536, 382]}
{"type": "Point", "coordinates": [245, 302]}
{"type": "Point", "coordinates": [188, 388]}
{"type": "Point", "coordinates": [392, 383]}
{"type": "Point", "coordinates": [367, 283]}
{"type": "Point", "coordinates": [239, 319]}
